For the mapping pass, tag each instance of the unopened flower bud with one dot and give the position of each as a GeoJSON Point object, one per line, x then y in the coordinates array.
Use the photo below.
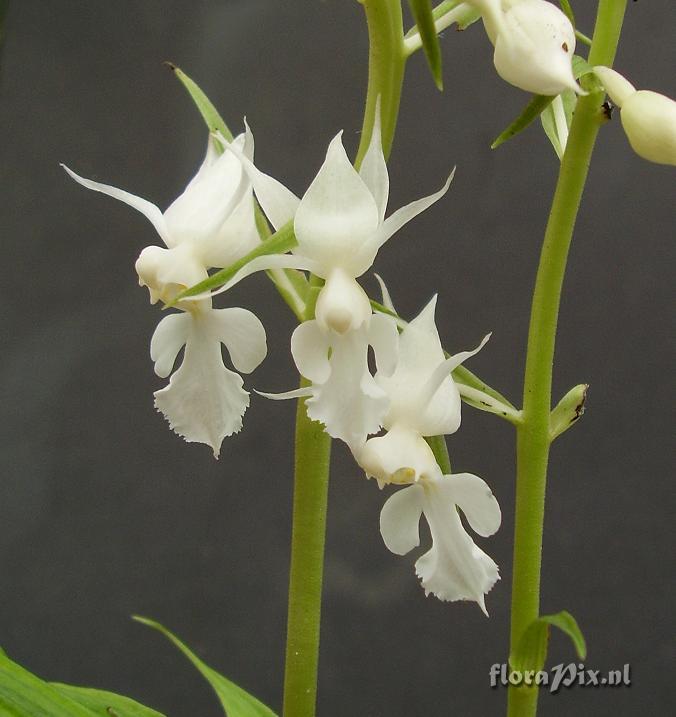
{"type": "Point", "coordinates": [648, 118]}
{"type": "Point", "coordinates": [534, 48]}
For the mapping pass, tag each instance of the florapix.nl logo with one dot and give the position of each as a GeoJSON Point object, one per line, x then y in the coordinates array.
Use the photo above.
{"type": "Point", "coordinates": [573, 674]}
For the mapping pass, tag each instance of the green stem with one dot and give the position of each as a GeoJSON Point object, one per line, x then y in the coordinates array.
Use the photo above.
{"type": "Point", "coordinates": [440, 451]}
{"type": "Point", "coordinates": [533, 438]}
{"type": "Point", "coordinates": [313, 451]}
{"type": "Point", "coordinates": [387, 60]}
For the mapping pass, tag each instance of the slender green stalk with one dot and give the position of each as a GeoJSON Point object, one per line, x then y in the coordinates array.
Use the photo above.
{"type": "Point", "coordinates": [387, 61]}
{"type": "Point", "coordinates": [313, 451]}
{"type": "Point", "coordinates": [533, 438]}
{"type": "Point", "coordinates": [440, 451]}
{"type": "Point", "coordinates": [313, 445]}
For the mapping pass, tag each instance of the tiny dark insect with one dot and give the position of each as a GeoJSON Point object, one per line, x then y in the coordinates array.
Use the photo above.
{"type": "Point", "coordinates": [564, 47]}
{"type": "Point", "coordinates": [607, 108]}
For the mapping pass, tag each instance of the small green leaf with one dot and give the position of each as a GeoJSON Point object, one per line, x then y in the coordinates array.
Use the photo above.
{"type": "Point", "coordinates": [22, 694]}
{"type": "Point", "coordinates": [422, 14]}
{"type": "Point", "coordinates": [278, 243]}
{"type": "Point", "coordinates": [235, 701]}
{"type": "Point", "coordinates": [213, 119]}
{"type": "Point", "coordinates": [531, 652]}
{"type": "Point", "coordinates": [531, 111]}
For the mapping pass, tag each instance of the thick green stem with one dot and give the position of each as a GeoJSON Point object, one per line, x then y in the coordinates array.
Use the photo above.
{"type": "Point", "coordinates": [533, 439]}
{"type": "Point", "coordinates": [313, 450]}
{"type": "Point", "coordinates": [387, 60]}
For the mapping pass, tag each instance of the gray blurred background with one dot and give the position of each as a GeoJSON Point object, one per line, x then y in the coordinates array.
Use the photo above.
{"type": "Point", "coordinates": [104, 512]}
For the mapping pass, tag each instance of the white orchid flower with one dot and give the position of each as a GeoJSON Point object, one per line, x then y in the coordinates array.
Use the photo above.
{"type": "Point", "coordinates": [343, 394]}
{"type": "Point", "coordinates": [454, 568]}
{"type": "Point", "coordinates": [339, 224]}
{"type": "Point", "coordinates": [423, 401]}
{"type": "Point", "coordinates": [210, 225]}
{"type": "Point", "coordinates": [534, 44]}
{"type": "Point", "coordinates": [648, 118]}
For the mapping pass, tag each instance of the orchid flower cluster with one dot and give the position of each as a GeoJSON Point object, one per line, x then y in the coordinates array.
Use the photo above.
{"type": "Point", "coordinates": [394, 411]}
{"type": "Point", "coordinates": [339, 225]}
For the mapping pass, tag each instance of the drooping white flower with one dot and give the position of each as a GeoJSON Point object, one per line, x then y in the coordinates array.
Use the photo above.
{"type": "Point", "coordinates": [454, 568]}
{"type": "Point", "coordinates": [423, 401]}
{"type": "Point", "coordinates": [534, 43]}
{"type": "Point", "coordinates": [343, 394]}
{"type": "Point", "coordinates": [211, 224]}
{"type": "Point", "coordinates": [648, 118]}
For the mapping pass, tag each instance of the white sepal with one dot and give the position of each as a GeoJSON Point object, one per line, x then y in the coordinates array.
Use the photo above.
{"type": "Point", "coordinates": [148, 209]}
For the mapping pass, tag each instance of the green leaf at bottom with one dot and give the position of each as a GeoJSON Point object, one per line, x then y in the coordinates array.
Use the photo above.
{"type": "Point", "coordinates": [236, 702]}
{"type": "Point", "coordinates": [22, 694]}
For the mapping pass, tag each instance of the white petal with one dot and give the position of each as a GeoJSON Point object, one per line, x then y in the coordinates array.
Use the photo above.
{"type": "Point", "coordinates": [384, 337]}
{"type": "Point", "coordinates": [350, 403]}
{"type": "Point", "coordinates": [342, 305]}
{"type": "Point", "coordinates": [387, 299]}
{"type": "Point", "coordinates": [204, 401]}
{"type": "Point", "coordinates": [476, 500]}
{"type": "Point", "coordinates": [454, 568]}
{"type": "Point", "coordinates": [460, 358]}
{"type": "Point", "coordinates": [310, 351]}
{"type": "Point", "coordinates": [295, 393]}
{"type": "Point", "coordinates": [169, 337]}
{"type": "Point", "coordinates": [278, 203]}
{"type": "Point", "coordinates": [337, 214]}
{"type": "Point", "coordinates": [400, 518]}
{"type": "Point", "coordinates": [242, 333]}
{"type": "Point", "coordinates": [148, 209]}
{"type": "Point", "coordinates": [198, 214]}
{"type": "Point", "coordinates": [397, 220]}
{"type": "Point", "coordinates": [420, 354]}
{"type": "Point", "coordinates": [400, 456]}
{"type": "Point", "coordinates": [444, 369]}
{"type": "Point", "coordinates": [373, 168]}
{"type": "Point", "coordinates": [236, 237]}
